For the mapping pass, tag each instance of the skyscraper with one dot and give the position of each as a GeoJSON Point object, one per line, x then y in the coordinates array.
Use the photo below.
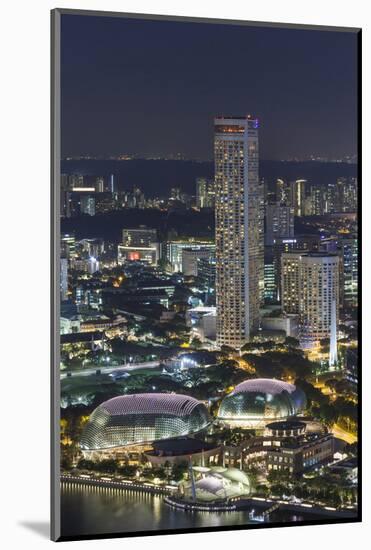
{"type": "Point", "coordinates": [297, 196]}
{"type": "Point", "coordinates": [290, 281]}
{"type": "Point", "coordinates": [64, 279]}
{"type": "Point", "coordinates": [349, 270]}
{"type": "Point", "coordinates": [87, 205]}
{"type": "Point", "coordinates": [279, 223]}
{"type": "Point", "coordinates": [238, 251]}
{"type": "Point", "coordinates": [310, 287]}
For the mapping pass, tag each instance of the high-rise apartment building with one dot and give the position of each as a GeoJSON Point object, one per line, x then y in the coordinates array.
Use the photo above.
{"type": "Point", "coordinates": [279, 223]}
{"type": "Point", "coordinates": [310, 287]}
{"type": "Point", "coordinates": [317, 200]}
{"type": "Point", "coordinates": [205, 193]}
{"type": "Point", "coordinates": [290, 281]}
{"type": "Point", "coordinates": [238, 242]}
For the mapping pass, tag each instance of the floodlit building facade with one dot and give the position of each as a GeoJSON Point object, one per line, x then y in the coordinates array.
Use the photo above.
{"type": "Point", "coordinates": [238, 239]}
{"type": "Point", "coordinates": [139, 244]}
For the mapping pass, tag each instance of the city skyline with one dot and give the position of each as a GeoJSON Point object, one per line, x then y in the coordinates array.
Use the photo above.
{"type": "Point", "coordinates": [292, 89]}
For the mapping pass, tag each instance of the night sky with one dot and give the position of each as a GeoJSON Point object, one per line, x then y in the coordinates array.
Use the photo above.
{"type": "Point", "coordinates": [153, 87]}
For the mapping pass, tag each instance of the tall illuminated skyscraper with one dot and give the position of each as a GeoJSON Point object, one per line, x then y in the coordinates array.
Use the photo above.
{"type": "Point", "coordinates": [237, 239]}
{"type": "Point", "coordinates": [297, 196]}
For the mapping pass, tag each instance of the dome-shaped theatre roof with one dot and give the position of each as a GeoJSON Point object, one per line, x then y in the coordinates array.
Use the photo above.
{"type": "Point", "coordinates": [143, 418]}
{"type": "Point", "coordinates": [264, 385]}
{"type": "Point", "coordinates": [151, 403]}
{"type": "Point", "coordinates": [257, 401]}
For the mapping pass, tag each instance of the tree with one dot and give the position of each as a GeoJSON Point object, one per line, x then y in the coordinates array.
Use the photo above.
{"type": "Point", "coordinates": [179, 470]}
{"type": "Point", "coordinates": [292, 342]}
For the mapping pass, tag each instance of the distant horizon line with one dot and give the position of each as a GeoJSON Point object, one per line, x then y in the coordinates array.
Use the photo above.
{"type": "Point", "coordinates": [351, 159]}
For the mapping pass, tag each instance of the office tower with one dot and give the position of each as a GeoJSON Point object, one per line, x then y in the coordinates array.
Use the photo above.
{"type": "Point", "coordinates": [65, 196]}
{"type": "Point", "coordinates": [64, 279]}
{"type": "Point", "coordinates": [279, 223]}
{"type": "Point", "coordinates": [93, 265]}
{"type": "Point", "coordinates": [310, 287]}
{"type": "Point", "coordinates": [139, 236]}
{"type": "Point", "coordinates": [68, 246]}
{"type": "Point", "coordinates": [351, 195]}
{"type": "Point", "coordinates": [99, 184]}
{"type": "Point", "coordinates": [190, 257]}
{"type": "Point", "coordinates": [92, 247]}
{"type": "Point", "coordinates": [138, 198]}
{"type": "Point", "coordinates": [111, 185]}
{"type": "Point", "coordinates": [349, 271]}
{"type": "Point", "coordinates": [332, 203]}
{"type": "Point", "coordinates": [282, 192]}
{"type": "Point", "coordinates": [347, 193]}
{"type": "Point", "coordinates": [77, 182]}
{"type": "Point", "coordinates": [205, 193]}
{"type": "Point", "coordinates": [237, 229]}
{"type": "Point", "coordinates": [297, 196]}
{"type": "Point", "coordinates": [271, 286]}
{"type": "Point", "coordinates": [174, 251]}
{"type": "Point", "coordinates": [175, 193]}
{"type": "Point", "coordinates": [206, 270]}
{"type": "Point", "coordinates": [317, 200]}
{"type": "Point", "coordinates": [87, 205]}
{"type": "Point", "coordinates": [139, 244]}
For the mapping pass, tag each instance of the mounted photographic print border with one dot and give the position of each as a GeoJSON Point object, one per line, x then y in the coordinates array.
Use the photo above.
{"type": "Point", "coordinates": [212, 464]}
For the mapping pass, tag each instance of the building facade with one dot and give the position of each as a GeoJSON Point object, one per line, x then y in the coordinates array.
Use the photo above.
{"type": "Point", "coordinates": [279, 223]}
{"type": "Point", "coordinates": [310, 287]}
{"type": "Point", "coordinates": [205, 193]}
{"type": "Point", "coordinates": [139, 244]}
{"type": "Point", "coordinates": [190, 257]}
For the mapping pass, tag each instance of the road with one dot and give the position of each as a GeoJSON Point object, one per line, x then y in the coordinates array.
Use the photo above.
{"type": "Point", "coordinates": [108, 370]}
{"type": "Point", "coordinates": [344, 435]}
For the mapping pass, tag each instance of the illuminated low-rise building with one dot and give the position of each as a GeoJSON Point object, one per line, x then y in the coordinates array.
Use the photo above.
{"type": "Point", "coordinates": [139, 244]}
{"type": "Point", "coordinates": [216, 484]}
{"type": "Point", "coordinates": [289, 447]}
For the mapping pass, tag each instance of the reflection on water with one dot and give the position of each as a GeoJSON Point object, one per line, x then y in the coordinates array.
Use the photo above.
{"type": "Point", "coordinates": [98, 510]}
